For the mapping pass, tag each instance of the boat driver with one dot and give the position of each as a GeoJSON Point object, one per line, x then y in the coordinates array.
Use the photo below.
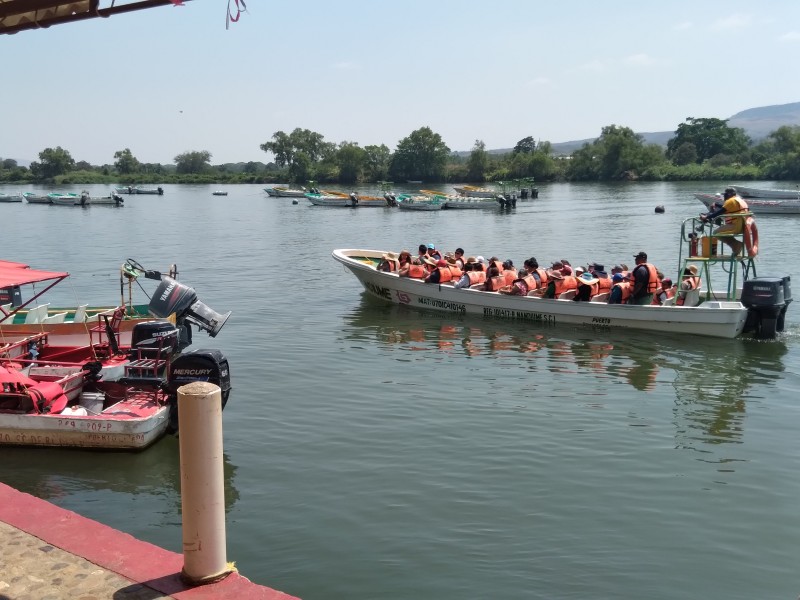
{"type": "Point", "coordinates": [732, 204]}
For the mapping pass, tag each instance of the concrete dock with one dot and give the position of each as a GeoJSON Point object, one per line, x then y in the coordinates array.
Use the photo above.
{"type": "Point", "coordinates": [48, 553]}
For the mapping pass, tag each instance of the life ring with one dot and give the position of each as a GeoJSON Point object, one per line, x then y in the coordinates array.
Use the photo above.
{"type": "Point", "coordinates": [751, 237]}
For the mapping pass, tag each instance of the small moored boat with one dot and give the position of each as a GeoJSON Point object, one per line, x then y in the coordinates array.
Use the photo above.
{"type": "Point", "coordinates": [425, 203]}
{"type": "Point", "coordinates": [10, 197]}
{"type": "Point", "coordinates": [219, 193]}
{"type": "Point", "coordinates": [749, 192]}
{"type": "Point", "coordinates": [758, 206]}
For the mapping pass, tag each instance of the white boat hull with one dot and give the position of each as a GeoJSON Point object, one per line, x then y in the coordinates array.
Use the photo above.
{"type": "Point", "coordinates": [475, 192]}
{"type": "Point", "coordinates": [760, 206]}
{"type": "Point", "coordinates": [82, 431]}
{"type": "Point", "coordinates": [471, 203]}
{"type": "Point", "coordinates": [724, 319]}
{"type": "Point", "coordinates": [748, 192]}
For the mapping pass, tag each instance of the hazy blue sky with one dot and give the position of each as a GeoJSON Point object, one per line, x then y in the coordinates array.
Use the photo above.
{"type": "Point", "coordinates": [169, 80]}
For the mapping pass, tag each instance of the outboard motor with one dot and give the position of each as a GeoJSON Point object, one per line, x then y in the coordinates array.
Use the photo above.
{"type": "Point", "coordinates": [197, 365]}
{"type": "Point", "coordinates": [172, 296]}
{"type": "Point", "coordinates": [353, 200]}
{"type": "Point", "coordinates": [767, 300]}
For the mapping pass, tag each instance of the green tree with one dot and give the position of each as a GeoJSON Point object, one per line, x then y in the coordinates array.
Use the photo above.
{"type": "Point", "coordinates": [421, 155]}
{"type": "Point", "coordinates": [478, 163]}
{"type": "Point", "coordinates": [376, 162]}
{"type": "Point", "coordinates": [9, 163]}
{"type": "Point", "coordinates": [617, 153]}
{"type": "Point", "coordinates": [710, 137]}
{"type": "Point", "coordinates": [125, 162]}
{"type": "Point", "coordinates": [351, 160]}
{"type": "Point", "coordinates": [685, 154]}
{"type": "Point", "coordinates": [52, 162]}
{"type": "Point", "coordinates": [309, 143]}
{"type": "Point", "coordinates": [780, 154]}
{"type": "Point", "coordinates": [193, 162]}
{"type": "Point", "coordinates": [526, 145]}
{"type": "Point", "coordinates": [301, 169]}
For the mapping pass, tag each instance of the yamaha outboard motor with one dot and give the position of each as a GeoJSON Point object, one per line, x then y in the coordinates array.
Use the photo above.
{"type": "Point", "coordinates": [197, 365]}
{"type": "Point", "coordinates": [767, 300]}
{"type": "Point", "coordinates": [173, 297]}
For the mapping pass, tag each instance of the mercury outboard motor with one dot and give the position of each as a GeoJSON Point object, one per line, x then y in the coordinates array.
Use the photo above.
{"type": "Point", "coordinates": [172, 296]}
{"type": "Point", "coordinates": [197, 365]}
{"type": "Point", "coordinates": [767, 300]}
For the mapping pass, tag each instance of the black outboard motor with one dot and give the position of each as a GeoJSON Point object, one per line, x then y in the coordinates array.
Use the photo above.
{"type": "Point", "coordinates": [173, 297]}
{"type": "Point", "coordinates": [197, 365]}
{"type": "Point", "coordinates": [767, 300]}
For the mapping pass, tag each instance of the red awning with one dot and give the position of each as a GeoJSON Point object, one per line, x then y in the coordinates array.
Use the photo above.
{"type": "Point", "coordinates": [12, 273]}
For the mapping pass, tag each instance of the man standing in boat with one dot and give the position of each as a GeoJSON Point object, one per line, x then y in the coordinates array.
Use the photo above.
{"type": "Point", "coordinates": [732, 205]}
{"type": "Point", "coordinates": [645, 280]}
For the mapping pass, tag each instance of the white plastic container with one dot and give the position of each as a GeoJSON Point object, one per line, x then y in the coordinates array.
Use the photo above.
{"type": "Point", "coordinates": [93, 402]}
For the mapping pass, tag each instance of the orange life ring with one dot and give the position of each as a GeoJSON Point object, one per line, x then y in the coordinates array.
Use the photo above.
{"type": "Point", "coordinates": [751, 237]}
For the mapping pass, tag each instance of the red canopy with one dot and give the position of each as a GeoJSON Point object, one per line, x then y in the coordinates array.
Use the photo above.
{"type": "Point", "coordinates": [12, 273]}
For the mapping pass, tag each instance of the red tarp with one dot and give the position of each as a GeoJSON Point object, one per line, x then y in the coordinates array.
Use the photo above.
{"type": "Point", "coordinates": [12, 273]}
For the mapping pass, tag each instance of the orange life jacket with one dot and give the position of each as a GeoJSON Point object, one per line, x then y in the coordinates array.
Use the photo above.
{"type": "Point", "coordinates": [417, 271]}
{"type": "Point", "coordinates": [476, 277]}
{"type": "Point", "coordinates": [565, 284]}
{"type": "Point", "coordinates": [444, 274]}
{"type": "Point", "coordinates": [694, 283]}
{"type": "Point", "coordinates": [542, 276]}
{"type": "Point", "coordinates": [495, 283]}
{"type": "Point", "coordinates": [497, 264]}
{"type": "Point", "coordinates": [510, 275]}
{"type": "Point", "coordinates": [455, 272]}
{"type": "Point", "coordinates": [531, 281]}
{"type": "Point", "coordinates": [594, 289]}
{"type": "Point", "coordinates": [626, 288]}
{"type": "Point", "coordinates": [604, 284]}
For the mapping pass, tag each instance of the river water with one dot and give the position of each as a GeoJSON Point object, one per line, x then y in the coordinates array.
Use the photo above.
{"type": "Point", "coordinates": [372, 451]}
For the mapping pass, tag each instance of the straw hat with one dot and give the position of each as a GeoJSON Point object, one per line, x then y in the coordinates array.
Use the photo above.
{"type": "Point", "coordinates": [690, 271]}
{"type": "Point", "coordinates": [391, 256]}
{"type": "Point", "coordinates": [472, 260]}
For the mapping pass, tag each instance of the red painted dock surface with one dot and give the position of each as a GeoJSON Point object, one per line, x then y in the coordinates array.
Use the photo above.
{"type": "Point", "coordinates": [24, 564]}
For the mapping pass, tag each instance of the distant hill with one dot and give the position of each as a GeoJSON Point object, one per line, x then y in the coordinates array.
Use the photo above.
{"type": "Point", "coordinates": [758, 123]}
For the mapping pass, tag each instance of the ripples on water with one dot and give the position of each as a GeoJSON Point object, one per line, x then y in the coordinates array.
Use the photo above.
{"type": "Point", "coordinates": [373, 451]}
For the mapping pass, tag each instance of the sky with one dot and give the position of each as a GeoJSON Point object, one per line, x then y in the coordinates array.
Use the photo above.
{"type": "Point", "coordinates": [173, 79]}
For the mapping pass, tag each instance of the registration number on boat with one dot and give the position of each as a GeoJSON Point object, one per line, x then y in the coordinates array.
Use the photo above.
{"type": "Point", "coordinates": [507, 313]}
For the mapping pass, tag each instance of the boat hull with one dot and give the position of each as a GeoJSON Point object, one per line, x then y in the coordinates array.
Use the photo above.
{"type": "Point", "coordinates": [760, 206]}
{"type": "Point", "coordinates": [724, 319]}
{"type": "Point", "coordinates": [748, 192]}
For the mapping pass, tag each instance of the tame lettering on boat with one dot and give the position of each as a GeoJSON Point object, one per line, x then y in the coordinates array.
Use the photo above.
{"type": "Point", "coordinates": [508, 313]}
{"type": "Point", "coordinates": [378, 291]}
{"type": "Point", "coordinates": [444, 304]}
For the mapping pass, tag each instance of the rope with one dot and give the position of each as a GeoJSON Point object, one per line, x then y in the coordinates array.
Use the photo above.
{"type": "Point", "coordinates": [229, 18]}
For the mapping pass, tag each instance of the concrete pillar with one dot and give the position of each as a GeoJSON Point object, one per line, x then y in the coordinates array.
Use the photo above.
{"type": "Point", "coordinates": [202, 483]}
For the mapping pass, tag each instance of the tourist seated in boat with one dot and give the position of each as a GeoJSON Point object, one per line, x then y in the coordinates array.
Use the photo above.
{"type": "Point", "coordinates": [422, 252]}
{"type": "Point", "coordinates": [459, 256]}
{"type": "Point", "coordinates": [518, 287]}
{"type": "Point", "coordinates": [439, 273]}
{"type": "Point", "coordinates": [558, 283]}
{"type": "Point", "coordinates": [464, 281]}
{"type": "Point", "coordinates": [475, 271]}
{"type": "Point", "coordinates": [666, 292]}
{"type": "Point", "coordinates": [732, 205]}
{"type": "Point", "coordinates": [645, 281]}
{"type": "Point", "coordinates": [434, 253]}
{"type": "Point", "coordinates": [455, 269]}
{"type": "Point", "coordinates": [494, 279]}
{"type": "Point", "coordinates": [415, 269]}
{"type": "Point", "coordinates": [620, 289]}
{"type": "Point", "coordinates": [603, 278]}
{"type": "Point", "coordinates": [535, 271]}
{"type": "Point", "coordinates": [587, 287]}
{"type": "Point", "coordinates": [689, 291]}
{"type": "Point", "coordinates": [403, 260]}
{"type": "Point", "coordinates": [566, 267]}
{"type": "Point", "coordinates": [389, 263]}
{"type": "Point", "coordinates": [509, 271]}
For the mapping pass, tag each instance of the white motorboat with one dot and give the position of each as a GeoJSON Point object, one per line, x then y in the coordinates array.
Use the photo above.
{"type": "Point", "coordinates": [749, 192]}
{"type": "Point", "coordinates": [409, 202]}
{"type": "Point", "coordinates": [758, 206]}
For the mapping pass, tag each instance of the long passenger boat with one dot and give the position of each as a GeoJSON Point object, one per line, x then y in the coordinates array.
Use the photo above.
{"type": "Point", "coordinates": [757, 305]}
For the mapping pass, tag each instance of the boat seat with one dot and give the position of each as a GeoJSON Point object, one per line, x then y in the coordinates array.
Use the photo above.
{"type": "Point", "coordinates": [80, 314]}
{"type": "Point", "coordinates": [114, 317]}
{"type": "Point", "coordinates": [56, 318]}
{"type": "Point", "coordinates": [568, 295]}
{"type": "Point", "coordinates": [36, 314]}
{"type": "Point", "coordinates": [669, 302]}
{"type": "Point", "coordinates": [600, 297]}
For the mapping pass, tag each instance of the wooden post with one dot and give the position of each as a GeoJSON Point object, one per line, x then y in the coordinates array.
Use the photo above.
{"type": "Point", "coordinates": [202, 483]}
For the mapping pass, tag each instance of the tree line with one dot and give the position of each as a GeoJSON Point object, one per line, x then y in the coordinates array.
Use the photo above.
{"type": "Point", "coordinates": [701, 149]}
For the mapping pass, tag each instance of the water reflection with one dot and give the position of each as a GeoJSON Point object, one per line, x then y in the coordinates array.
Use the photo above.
{"type": "Point", "coordinates": [710, 380]}
{"type": "Point", "coordinates": [65, 476]}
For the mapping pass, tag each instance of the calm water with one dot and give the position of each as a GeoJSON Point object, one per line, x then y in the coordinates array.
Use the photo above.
{"type": "Point", "coordinates": [375, 452]}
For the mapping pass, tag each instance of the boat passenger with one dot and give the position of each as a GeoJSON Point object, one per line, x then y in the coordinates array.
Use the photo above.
{"type": "Point", "coordinates": [440, 273]}
{"type": "Point", "coordinates": [459, 254]}
{"type": "Point", "coordinates": [494, 279]}
{"type": "Point", "coordinates": [518, 287]}
{"type": "Point", "coordinates": [566, 268]}
{"type": "Point", "coordinates": [404, 259]}
{"type": "Point", "coordinates": [464, 281]}
{"type": "Point", "coordinates": [645, 281]}
{"type": "Point", "coordinates": [603, 280]}
{"type": "Point", "coordinates": [620, 290]}
{"type": "Point", "coordinates": [732, 205]}
{"type": "Point", "coordinates": [476, 275]}
{"type": "Point", "coordinates": [415, 270]}
{"type": "Point", "coordinates": [559, 283]}
{"type": "Point", "coordinates": [666, 292]}
{"type": "Point", "coordinates": [509, 272]}
{"type": "Point", "coordinates": [455, 270]}
{"type": "Point", "coordinates": [389, 263]}
{"type": "Point", "coordinates": [587, 287]}
{"type": "Point", "coordinates": [422, 251]}
{"type": "Point", "coordinates": [538, 273]}
{"type": "Point", "coordinates": [691, 282]}
{"type": "Point", "coordinates": [434, 253]}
